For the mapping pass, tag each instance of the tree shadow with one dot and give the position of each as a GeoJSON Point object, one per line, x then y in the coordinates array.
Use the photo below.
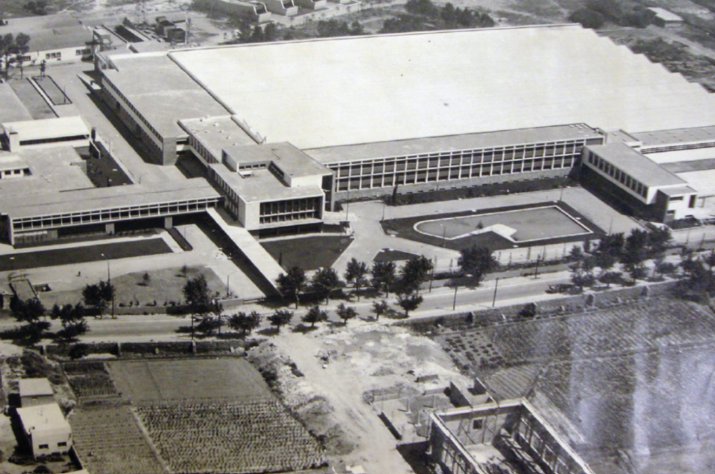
{"type": "Point", "coordinates": [303, 328]}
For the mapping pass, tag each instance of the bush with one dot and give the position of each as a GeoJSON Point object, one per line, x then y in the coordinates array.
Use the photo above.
{"type": "Point", "coordinates": [78, 351]}
{"type": "Point", "coordinates": [588, 18]}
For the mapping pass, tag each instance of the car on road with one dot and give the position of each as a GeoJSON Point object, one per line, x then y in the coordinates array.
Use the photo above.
{"type": "Point", "coordinates": [562, 288]}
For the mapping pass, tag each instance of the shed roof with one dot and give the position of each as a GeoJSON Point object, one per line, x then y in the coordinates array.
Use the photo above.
{"type": "Point", "coordinates": [33, 387]}
{"type": "Point", "coordinates": [43, 418]}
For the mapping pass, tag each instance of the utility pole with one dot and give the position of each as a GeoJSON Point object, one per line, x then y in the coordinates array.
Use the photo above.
{"type": "Point", "coordinates": [496, 286]}
{"type": "Point", "coordinates": [536, 272]}
{"type": "Point", "coordinates": [454, 301]}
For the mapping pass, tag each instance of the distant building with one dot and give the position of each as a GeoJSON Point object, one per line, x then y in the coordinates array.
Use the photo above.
{"type": "Point", "coordinates": [282, 7]}
{"type": "Point", "coordinates": [45, 429]}
{"type": "Point", "coordinates": [63, 39]}
{"type": "Point", "coordinates": [251, 9]}
{"type": "Point", "coordinates": [35, 391]}
{"type": "Point", "coordinates": [666, 18]}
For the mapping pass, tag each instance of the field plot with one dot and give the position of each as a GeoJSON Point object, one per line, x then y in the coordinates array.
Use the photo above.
{"type": "Point", "coordinates": [89, 380]}
{"type": "Point", "coordinates": [183, 379]}
{"type": "Point", "coordinates": [214, 415]}
{"type": "Point", "coordinates": [309, 253]}
{"type": "Point", "coordinates": [109, 441]}
{"type": "Point", "coordinates": [528, 224]}
{"type": "Point", "coordinates": [230, 437]}
{"type": "Point", "coordinates": [627, 328]}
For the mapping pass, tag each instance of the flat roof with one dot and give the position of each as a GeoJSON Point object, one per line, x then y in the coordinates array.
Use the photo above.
{"type": "Point", "coordinates": [262, 185]}
{"type": "Point", "coordinates": [636, 165]}
{"type": "Point", "coordinates": [96, 199]}
{"type": "Point", "coordinates": [216, 133]}
{"type": "Point", "coordinates": [693, 154]}
{"type": "Point", "coordinates": [13, 109]}
{"type": "Point", "coordinates": [12, 162]}
{"type": "Point", "coordinates": [48, 128]}
{"type": "Point", "coordinates": [694, 165]}
{"type": "Point", "coordinates": [50, 32]}
{"type": "Point", "coordinates": [676, 136]}
{"type": "Point", "coordinates": [664, 14]}
{"type": "Point", "coordinates": [425, 84]}
{"type": "Point", "coordinates": [702, 181]}
{"type": "Point", "coordinates": [58, 168]}
{"type": "Point", "coordinates": [452, 143]}
{"type": "Point", "coordinates": [33, 387]}
{"type": "Point", "coordinates": [165, 93]}
{"type": "Point", "coordinates": [39, 418]}
{"type": "Point", "coordinates": [289, 159]}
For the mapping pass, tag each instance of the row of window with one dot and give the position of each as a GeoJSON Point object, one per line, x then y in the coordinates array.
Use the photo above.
{"type": "Point", "coordinates": [625, 179]}
{"type": "Point", "coordinates": [449, 174]}
{"type": "Point", "coordinates": [14, 173]}
{"type": "Point", "coordinates": [679, 147]}
{"type": "Point", "coordinates": [42, 141]}
{"type": "Point", "coordinates": [117, 93]}
{"type": "Point", "coordinates": [108, 215]}
{"type": "Point", "coordinates": [288, 209]}
{"type": "Point", "coordinates": [540, 441]}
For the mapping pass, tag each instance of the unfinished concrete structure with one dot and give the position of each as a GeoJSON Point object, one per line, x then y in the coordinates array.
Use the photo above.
{"type": "Point", "coordinates": [500, 437]}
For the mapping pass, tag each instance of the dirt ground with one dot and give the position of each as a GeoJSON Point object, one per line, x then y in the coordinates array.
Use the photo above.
{"type": "Point", "coordinates": [328, 396]}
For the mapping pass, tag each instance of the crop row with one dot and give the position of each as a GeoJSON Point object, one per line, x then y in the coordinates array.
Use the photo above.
{"type": "Point", "coordinates": [230, 437]}
{"type": "Point", "coordinates": [109, 441]}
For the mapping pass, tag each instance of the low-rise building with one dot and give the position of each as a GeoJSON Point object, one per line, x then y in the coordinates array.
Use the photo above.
{"type": "Point", "coordinates": [63, 39]}
{"type": "Point", "coordinates": [35, 391]}
{"type": "Point", "coordinates": [666, 18]}
{"type": "Point", "coordinates": [16, 136]}
{"type": "Point", "coordinates": [45, 429]}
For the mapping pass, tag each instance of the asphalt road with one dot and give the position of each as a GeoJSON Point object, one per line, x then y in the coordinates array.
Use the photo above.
{"type": "Point", "coordinates": [438, 301]}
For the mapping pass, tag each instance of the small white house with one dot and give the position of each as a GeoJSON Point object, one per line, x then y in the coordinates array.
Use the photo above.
{"type": "Point", "coordinates": [46, 429]}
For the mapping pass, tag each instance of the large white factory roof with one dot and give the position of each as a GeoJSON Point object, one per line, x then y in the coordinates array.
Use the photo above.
{"type": "Point", "coordinates": [319, 93]}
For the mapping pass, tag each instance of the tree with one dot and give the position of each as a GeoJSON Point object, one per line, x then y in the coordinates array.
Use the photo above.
{"type": "Point", "coordinates": [383, 276]}
{"type": "Point", "coordinates": [413, 273]}
{"type": "Point", "coordinates": [72, 319]}
{"type": "Point", "coordinates": [270, 32]}
{"type": "Point", "coordinates": [604, 261]}
{"type": "Point", "coordinates": [196, 296]}
{"type": "Point", "coordinates": [315, 315]}
{"type": "Point", "coordinates": [587, 18]}
{"type": "Point", "coordinates": [658, 240]}
{"type": "Point", "coordinates": [22, 42]}
{"type": "Point", "coordinates": [579, 276]}
{"type": "Point", "coordinates": [324, 282]}
{"type": "Point", "coordinates": [610, 277]}
{"type": "Point", "coordinates": [245, 323]}
{"type": "Point", "coordinates": [422, 7]}
{"type": "Point", "coordinates": [346, 312]}
{"type": "Point", "coordinates": [280, 317]}
{"type": "Point", "coordinates": [476, 261]}
{"type": "Point", "coordinates": [380, 308]}
{"type": "Point", "coordinates": [636, 249]}
{"type": "Point", "coordinates": [291, 284]}
{"type": "Point", "coordinates": [612, 244]}
{"type": "Point", "coordinates": [355, 273]}
{"type": "Point", "coordinates": [576, 253]}
{"type": "Point", "coordinates": [29, 312]}
{"type": "Point", "coordinates": [98, 296]}
{"type": "Point", "coordinates": [409, 302]}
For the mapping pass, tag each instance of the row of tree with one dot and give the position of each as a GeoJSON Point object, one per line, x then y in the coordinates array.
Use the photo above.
{"type": "Point", "coordinates": [425, 15]}
{"type": "Point", "coordinates": [631, 251]}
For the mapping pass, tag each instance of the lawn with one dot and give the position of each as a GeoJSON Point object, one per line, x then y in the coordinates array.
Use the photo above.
{"type": "Point", "coordinates": [389, 255]}
{"type": "Point", "coordinates": [532, 231]}
{"type": "Point", "coordinates": [163, 286]}
{"type": "Point", "coordinates": [88, 253]}
{"type": "Point", "coordinates": [308, 253]}
{"type": "Point", "coordinates": [530, 224]}
{"type": "Point", "coordinates": [52, 90]}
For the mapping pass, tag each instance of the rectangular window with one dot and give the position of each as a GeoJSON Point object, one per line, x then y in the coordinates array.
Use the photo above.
{"type": "Point", "coordinates": [44, 446]}
{"type": "Point", "coordinates": [62, 444]}
{"type": "Point", "coordinates": [477, 424]}
{"type": "Point", "coordinates": [691, 204]}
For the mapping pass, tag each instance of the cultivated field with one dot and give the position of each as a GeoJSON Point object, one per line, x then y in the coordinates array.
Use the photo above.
{"type": "Point", "coordinates": [230, 437]}
{"type": "Point", "coordinates": [89, 380]}
{"type": "Point", "coordinates": [109, 441]}
{"type": "Point", "coordinates": [214, 415]}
